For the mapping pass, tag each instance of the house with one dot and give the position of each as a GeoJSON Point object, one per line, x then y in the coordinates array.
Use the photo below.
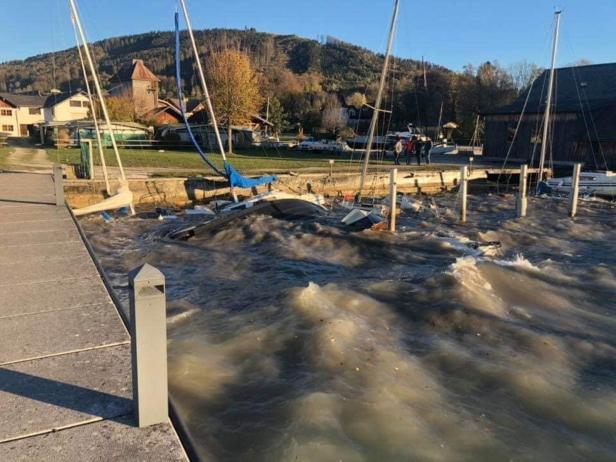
{"type": "Point", "coordinates": [168, 111]}
{"type": "Point", "coordinates": [582, 125]}
{"type": "Point", "coordinates": [65, 107]}
{"type": "Point", "coordinates": [19, 114]}
{"type": "Point", "coordinates": [139, 84]}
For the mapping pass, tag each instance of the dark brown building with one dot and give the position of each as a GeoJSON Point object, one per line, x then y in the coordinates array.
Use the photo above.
{"type": "Point", "coordinates": [582, 125]}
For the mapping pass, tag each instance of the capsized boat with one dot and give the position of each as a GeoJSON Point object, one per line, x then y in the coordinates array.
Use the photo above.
{"type": "Point", "coordinates": [601, 183]}
{"type": "Point", "coordinates": [276, 204]}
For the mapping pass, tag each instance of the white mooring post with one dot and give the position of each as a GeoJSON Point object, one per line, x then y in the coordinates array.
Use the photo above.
{"type": "Point", "coordinates": [463, 192]}
{"type": "Point", "coordinates": [575, 189]}
{"type": "Point", "coordinates": [522, 199]}
{"type": "Point", "coordinates": [149, 345]}
{"type": "Point", "coordinates": [393, 184]}
{"type": "Point", "coordinates": [58, 183]}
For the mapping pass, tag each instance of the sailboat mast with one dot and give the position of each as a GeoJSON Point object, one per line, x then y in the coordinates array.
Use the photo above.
{"type": "Point", "coordinates": [379, 97]}
{"type": "Point", "coordinates": [93, 109]}
{"type": "Point", "coordinates": [548, 106]}
{"type": "Point", "coordinates": [206, 93]}
{"type": "Point", "coordinates": [97, 85]}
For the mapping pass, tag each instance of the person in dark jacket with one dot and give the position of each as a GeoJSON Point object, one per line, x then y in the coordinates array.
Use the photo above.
{"type": "Point", "coordinates": [427, 149]}
{"type": "Point", "coordinates": [418, 147]}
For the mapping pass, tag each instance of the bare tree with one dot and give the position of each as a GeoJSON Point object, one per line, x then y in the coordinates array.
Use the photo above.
{"type": "Point", "coordinates": [334, 119]}
{"type": "Point", "coordinates": [523, 73]}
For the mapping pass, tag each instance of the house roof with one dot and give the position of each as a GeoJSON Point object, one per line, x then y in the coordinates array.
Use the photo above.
{"type": "Point", "coordinates": [23, 100]}
{"type": "Point", "coordinates": [18, 100]}
{"type": "Point", "coordinates": [135, 70]}
{"type": "Point", "coordinates": [593, 86]}
{"type": "Point", "coordinates": [53, 100]}
{"type": "Point", "coordinates": [192, 104]}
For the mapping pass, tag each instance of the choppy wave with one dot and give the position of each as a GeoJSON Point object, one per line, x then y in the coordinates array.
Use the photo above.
{"type": "Point", "coordinates": [299, 341]}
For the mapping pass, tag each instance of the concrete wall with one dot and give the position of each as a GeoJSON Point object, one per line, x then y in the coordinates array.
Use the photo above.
{"type": "Point", "coordinates": [186, 191]}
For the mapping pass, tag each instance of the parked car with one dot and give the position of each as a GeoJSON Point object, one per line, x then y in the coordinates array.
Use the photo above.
{"type": "Point", "coordinates": [324, 146]}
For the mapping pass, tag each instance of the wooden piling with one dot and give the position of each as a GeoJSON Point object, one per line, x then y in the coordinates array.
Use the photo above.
{"type": "Point", "coordinates": [393, 179]}
{"type": "Point", "coordinates": [522, 199]}
{"type": "Point", "coordinates": [575, 189]}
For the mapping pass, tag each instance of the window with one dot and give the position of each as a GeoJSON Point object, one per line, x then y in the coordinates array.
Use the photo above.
{"type": "Point", "coordinates": [8, 128]}
{"type": "Point", "coordinates": [85, 104]}
{"type": "Point", "coordinates": [34, 110]}
{"type": "Point", "coordinates": [6, 112]}
{"type": "Point", "coordinates": [75, 103]}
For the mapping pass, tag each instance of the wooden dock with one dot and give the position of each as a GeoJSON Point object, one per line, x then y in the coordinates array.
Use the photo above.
{"type": "Point", "coordinates": [65, 362]}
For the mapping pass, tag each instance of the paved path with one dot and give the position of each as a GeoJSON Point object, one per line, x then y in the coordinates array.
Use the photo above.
{"type": "Point", "coordinates": [65, 374]}
{"type": "Point", "coordinates": [28, 159]}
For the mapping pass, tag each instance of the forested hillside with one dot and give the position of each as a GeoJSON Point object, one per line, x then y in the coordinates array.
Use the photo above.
{"type": "Point", "coordinates": [304, 75]}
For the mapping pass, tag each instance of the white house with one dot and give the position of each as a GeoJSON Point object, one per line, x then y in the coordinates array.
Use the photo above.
{"type": "Point", "coordinates": [18, 113]}
{"type": "Point", "coordinates": [65, 108]}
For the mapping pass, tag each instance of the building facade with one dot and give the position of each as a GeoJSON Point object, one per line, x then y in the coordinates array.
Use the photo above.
{"type": "Point", "coordinates": [582, 126]}
{"type": "Point", "coordinates": [19, 114]}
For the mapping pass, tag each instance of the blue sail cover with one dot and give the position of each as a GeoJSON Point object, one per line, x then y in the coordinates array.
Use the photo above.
{"type": "Point", "coordinates": [236, 180]}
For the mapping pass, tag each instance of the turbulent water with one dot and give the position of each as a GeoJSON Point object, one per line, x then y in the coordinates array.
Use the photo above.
{"type": "Point", "coordinates": [297, 341]}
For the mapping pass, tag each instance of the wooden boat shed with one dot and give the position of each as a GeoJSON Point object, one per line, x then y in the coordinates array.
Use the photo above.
{"type": "Point", "coordinates": [583, 122]}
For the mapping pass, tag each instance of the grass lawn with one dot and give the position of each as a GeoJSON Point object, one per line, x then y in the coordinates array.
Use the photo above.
{"type": "Point", "coordinates": [258, 159]}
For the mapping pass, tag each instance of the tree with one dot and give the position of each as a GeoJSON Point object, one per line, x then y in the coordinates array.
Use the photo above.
{"type": "Point", "coordinates": [523, 73]}
{"type": "Point", "coordinates": [333, 119]}
{"type": "Point", "coordinates": [234, 89]}
{"type": "Point", "coordinates": [277, 116]}
{"type": "Point", "coordinates": [357, 100]}
{"type": "Point", "coordinates": [120, 109]}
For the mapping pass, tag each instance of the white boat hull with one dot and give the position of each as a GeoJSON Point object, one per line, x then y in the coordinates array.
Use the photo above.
{"type": "Point", "coordinates": [123, 198]}
{"type": "Point", "coordinates": [597, 183]}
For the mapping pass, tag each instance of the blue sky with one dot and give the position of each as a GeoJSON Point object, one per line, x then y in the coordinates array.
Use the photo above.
{"type": "Point", "coordinates": [447, 32]}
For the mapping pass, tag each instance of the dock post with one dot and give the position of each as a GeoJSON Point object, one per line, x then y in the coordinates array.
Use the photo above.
{"type": "Point", "coordinates": [58, 182]}
{"type": "Point", "coordinates": [575, 189]}
{"type": "Point", "coordinates": [393, 184]}
{"type": "Point", "coordinates": [148, 345]}
{"type": "Point", "coordinates": [463, 192]}
{"type": "Point", "coordinates": [522, 199]}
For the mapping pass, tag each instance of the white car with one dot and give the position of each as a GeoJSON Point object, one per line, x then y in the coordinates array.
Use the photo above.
{"type": "Point", "coordinates": [324, 146]}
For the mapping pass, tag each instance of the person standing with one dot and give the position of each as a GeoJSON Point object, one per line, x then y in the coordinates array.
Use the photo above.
{"type": "Point", "coordinates": [418, 147]}
{"type": "Point", "coordinates": [410, 148]}
{"type": "Point", "coordinates": [397, 151]}
{"type": "Point", "coordinates": [427, 150]}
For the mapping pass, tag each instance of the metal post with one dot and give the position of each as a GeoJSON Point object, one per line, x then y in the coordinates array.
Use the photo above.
{"type": "Point", "coordinates": [58, 181]}
{"type": "Point", "coordinates": [522, 199]}
{"type": "Point", "coordinates": [463, 192]}
{"type": "Point", "coordinates": [575, 189]}
{"type": "Point", "coordinates": [90, 160]}
{"type": "Point", "coordinates": [393, 183]}
{"type": "Point", "coordinates": [149, 345]}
